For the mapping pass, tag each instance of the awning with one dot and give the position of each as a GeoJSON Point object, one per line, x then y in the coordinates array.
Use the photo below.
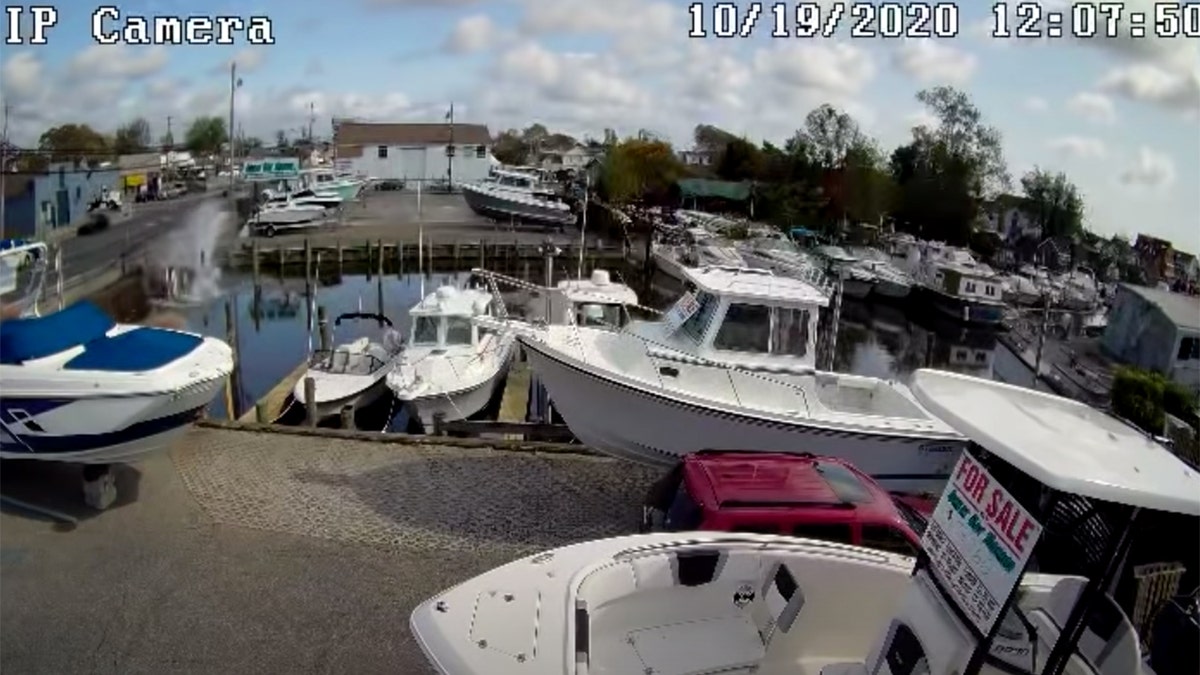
{"type": "Point", "coordinates": [702, 187]}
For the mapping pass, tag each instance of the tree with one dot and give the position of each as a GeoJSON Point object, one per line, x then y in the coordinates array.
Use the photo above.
{"type": "Point", "coordinates": [829, 134]}
{"type": "Point", "coordinates": [251, 144]}
{"type": "Point", "coordinates": [73, 142]}
{"type": "Point", "coordinates": [639, 171]}
{"type": "Point", "coordinates": [869, 190]}
{"type": "Point", "coordinates": [509, 148]}
{"type": "Point", "coordinates": [206, 135]}
{"type": "Point", "coordinates": [740, 160]}
{"type": "Point", "coordinates": [711, 139]}
{"type": "Point", "coordinates": [132, 138]}
{"type": "Point", "coordinates": [1055, 203]}
{"type": "Point", "coordinates": [946, 171]}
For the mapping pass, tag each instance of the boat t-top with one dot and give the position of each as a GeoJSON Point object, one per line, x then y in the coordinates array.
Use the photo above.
{"type": "Point", "coordinates": [351, 374]}
{"type": "Point", "coordinates": [1040, 470]}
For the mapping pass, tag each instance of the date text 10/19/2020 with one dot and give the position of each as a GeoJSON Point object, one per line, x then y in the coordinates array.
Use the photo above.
{"type": "Point", "coordinates": [938, 20]}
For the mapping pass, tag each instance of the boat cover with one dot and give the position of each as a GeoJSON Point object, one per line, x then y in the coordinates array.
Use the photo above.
{"type": "Point", "coordinates": [86, 324]}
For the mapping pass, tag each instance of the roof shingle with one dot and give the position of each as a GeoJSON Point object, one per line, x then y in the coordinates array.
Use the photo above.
{"type": "Point", "coordinates": [369, 133]}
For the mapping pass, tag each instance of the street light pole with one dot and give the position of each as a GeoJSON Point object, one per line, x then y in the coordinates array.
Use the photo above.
{"type": "Point", "coordinates": [3, 168]}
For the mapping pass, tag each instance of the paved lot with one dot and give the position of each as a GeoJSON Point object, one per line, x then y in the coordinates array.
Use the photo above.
{"type": "Point", "coordinates": [394, 216]}
{"type": "Point", "coordinates": [263, 553]}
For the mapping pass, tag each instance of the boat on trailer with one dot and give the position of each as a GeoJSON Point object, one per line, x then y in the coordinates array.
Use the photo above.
{"type": "Point", "coordinates": [1039, 469]}
{"type": "Point", "coordinates": [75, 386]}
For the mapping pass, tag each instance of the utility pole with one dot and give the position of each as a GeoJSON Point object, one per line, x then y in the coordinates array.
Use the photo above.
{"type": "Point", "coordinates": [312, 116]}
{"type": "Point", "coordinates": [169, 135]}
{"type": "Point", "coordinates": [4, 167]}
{"type": "Point", "coordinates": [234, 83]}
{"type": "Point", "coordinates": [450, 149]}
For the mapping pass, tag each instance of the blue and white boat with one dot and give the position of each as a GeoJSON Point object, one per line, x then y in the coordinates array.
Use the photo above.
{"type": "Point", "coordinates": [75, 386]}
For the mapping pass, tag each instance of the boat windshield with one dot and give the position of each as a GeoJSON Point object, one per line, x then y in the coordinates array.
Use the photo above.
{"type": "Point", "coordinates": [598, 314]}
{"type": "Point", "coordinates": [697, 323]}
{"type": "Point", "coordinates": [425, 330]}
{"type": "Point", "coordinates": [458, 330]}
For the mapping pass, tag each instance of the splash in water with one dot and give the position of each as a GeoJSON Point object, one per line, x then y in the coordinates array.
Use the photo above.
{"type": "Point", "coordinates": [184, 261]}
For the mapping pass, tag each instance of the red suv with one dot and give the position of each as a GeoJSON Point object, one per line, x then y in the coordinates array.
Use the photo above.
{"type": "Point", "coordinates": [801, 495]}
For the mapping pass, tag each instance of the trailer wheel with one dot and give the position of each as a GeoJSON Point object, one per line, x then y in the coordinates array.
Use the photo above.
{"type": "Point", "coordinates": [269, 231]}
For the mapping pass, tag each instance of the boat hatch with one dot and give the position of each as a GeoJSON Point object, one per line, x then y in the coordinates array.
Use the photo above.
{"type": "Point", "coordinates": [500, 627]}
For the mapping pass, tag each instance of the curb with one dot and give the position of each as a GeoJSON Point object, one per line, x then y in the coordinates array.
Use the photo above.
{"type": "Point", "coordinates": [500, 444]}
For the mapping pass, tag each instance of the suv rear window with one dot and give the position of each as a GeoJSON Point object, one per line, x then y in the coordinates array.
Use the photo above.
{"type": "Point", "coordinates": [837, 533]}
{"type": "Point", "coordinates": [684, 513]}
{"type": "Point", "coordinates": [886, 538]}
{"type": "Point", "coordinates": [848, 488]}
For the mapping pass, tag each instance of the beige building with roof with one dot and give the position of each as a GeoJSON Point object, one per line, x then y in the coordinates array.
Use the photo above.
{"type": "Point", "coordinates": [1157, 330]}
{"type": "Point", "coordinates": [414, 151]}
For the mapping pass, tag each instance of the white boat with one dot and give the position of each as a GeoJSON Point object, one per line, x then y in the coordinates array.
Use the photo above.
{"type": "Point", "coordinates": [857, 281]}
{"type": "Point", "coordinates": [77, 387]}
{"type": "Point", "coordinates": [694, 247]}
{"type": "Point", "coordinates": [783, 257]}
{"type": "Point", "coordinates": [890, 281]}
{"type": "Point", "coordinates": [743, 603]}
{"type": "Point", "coordinates": [327, 180]}
{"type": "Point", "coordinates": [351, 374]}
{"type": "Point", "coordinates": [517, 195]}
{"type": "Point", "coordinates": [325, 199]}
{"type": "Point", "coordinates": [956, 283]}
{"type": "Point", "coordinates": [1079, 290]}
{"type": "Point", "coordinates": [732, 367]}
{"type": "Point", "coordinates": [451, 367]}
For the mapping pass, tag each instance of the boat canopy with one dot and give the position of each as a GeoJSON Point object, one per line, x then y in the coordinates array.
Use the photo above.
{"type": "Point", "coordinates": [1064, 444]}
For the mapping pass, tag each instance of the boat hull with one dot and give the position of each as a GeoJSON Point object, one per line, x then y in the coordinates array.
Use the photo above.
{"type": "Point", "coordinates": [856, 288]}
{"type": "Point", "coordinates": [150, 422]}
{"type": "Point", "coordinates": [965, 311]}
{"type": "Point", "coordinates": [892, 290]}
{"type": "Point", "coordinates": [493, 206]}
{"type": "Point", "coordinates": [457, 405]}
{"type": "Point", "coordinates": [652, 427]}
{"type": "Point", "coordinates": [290, 216]}
{"type": "Point", "coordinates": [326, 408]}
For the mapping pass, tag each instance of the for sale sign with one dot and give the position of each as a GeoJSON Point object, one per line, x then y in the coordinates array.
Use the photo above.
{"type": "Point", "coordinates": [681, 311]}
{"type": "Point", "coordinates": [978, 542]}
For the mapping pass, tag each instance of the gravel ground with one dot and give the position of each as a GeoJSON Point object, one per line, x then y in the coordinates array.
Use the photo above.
{"type": "Point", "coordinates": [259, 553]}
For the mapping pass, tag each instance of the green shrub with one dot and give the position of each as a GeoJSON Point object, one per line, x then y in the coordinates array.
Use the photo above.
{"type": "Point", "coordinates": [1142, 397]}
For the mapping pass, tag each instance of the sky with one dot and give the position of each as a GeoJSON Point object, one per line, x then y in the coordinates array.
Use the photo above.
{"type": "Point", "coordinates": [1120, 115]}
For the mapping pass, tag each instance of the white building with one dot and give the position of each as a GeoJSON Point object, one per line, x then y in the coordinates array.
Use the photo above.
{"type": "Point", "coordinates": [574, 159]}
{"type": "Point", "coordinates": [1006, 217]}
{"type": "Point", "coordinates": [697, 157]}
{"type": "Point", "coordinates": [414, 151]}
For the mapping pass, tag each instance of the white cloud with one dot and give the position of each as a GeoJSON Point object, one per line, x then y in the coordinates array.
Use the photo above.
{"type": "Point", "coordinates": [472, 34]}
{"type": "Point", "coordinates": [1150, 169]}
{"type": "Point", "coordinates": [21, 75]}
{"type": "Point", "coordinates": [1093, 107]}
{"type": "Point", "coordinates": [928, 61]}
{"type": "Point", "coordinates": [119, 61]}
{"type": "Point", "coordinates": [1172, 89]}
{"type": "Point", "coordinates": [1036, 104]}
{"type": "Point", "coordinates": [922, 118]}
{"type": "Point", "coordinates": [248, 60]}
{"type": "Point", "coordinates": [838, 68]}
{"type": "Point", "coordinates": [1079, 146]}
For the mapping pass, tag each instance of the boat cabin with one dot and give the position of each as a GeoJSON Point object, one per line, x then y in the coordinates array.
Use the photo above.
{"type": "Point", "coordinates": [745, 316]}
{"type": "Point", "coordinates": [443, 318]}
{"type": "Point", "coordinates": [595, 301]}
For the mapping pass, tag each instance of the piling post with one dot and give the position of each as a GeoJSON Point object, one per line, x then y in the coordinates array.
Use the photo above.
{"type": "Point", "coordinates": [439, 422]}
{"type": "Point", "coordinates": [232, 385]}
{"type": "Point", "coordinates": [310, 401]}
{"type": "Point", "coordinates": [348, 416]}
{"type": "Point", "coordinates": [525, 271]}
{"type": "Point", "coordinates": [282, 261]}
{"type": "Point", "coordinates": [307, 263]}
{"type": "Point", "coordinates": [429, 267]}
{"type": "Point", "coordinates": [254, 262]}
{"type": "Point", "coordinates": [368, 260]}
{"type": "Point", "coordinates": [399, 258]}
{"type": "Point", "coordinates": [833, 324]}
{"type": "Point", "coordinates": [456, 252]}
{"type": "Point", "coordinates": [482, 255]}
{"type": "Point", "coordinates": [379, 254]}
{"type": "Point", "coordinates": [341, 261]}
{"type": "Point", "coordinates": [260, 413]}
{"type": "Point", "coordinates": [323, 325]}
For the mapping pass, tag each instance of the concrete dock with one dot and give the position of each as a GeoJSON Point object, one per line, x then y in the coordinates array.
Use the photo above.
{"type": "Point", "coordinates": [248, 552]}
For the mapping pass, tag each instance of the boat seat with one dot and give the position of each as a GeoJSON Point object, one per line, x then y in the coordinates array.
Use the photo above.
{"type": "Point", "coordinates": [654, 571]}
{"type": "Point", "coordinates": [1108, 645]}
{"type": "Point", "coordinates": [34, 338]}
{"type": "Point", "coordinates": [605, 585]}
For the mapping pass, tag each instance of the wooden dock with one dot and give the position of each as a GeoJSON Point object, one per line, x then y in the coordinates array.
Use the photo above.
{"type": "Point", "coordinates": [271, 406]}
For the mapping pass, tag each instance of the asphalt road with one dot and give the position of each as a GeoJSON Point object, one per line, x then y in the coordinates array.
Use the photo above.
{"type": "Point", "coordinates": [82, 254]}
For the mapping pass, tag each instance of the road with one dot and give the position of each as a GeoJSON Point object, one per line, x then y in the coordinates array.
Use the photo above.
{"type": "Point", "coordinates": [82, 254]}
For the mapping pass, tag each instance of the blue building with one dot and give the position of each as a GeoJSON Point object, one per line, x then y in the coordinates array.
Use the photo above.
{"type": "Point", "coordinates": [37, 204]}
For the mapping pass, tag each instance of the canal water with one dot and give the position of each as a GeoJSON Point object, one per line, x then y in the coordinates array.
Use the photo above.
{"type": "Point", "coordinates": [273, 335]}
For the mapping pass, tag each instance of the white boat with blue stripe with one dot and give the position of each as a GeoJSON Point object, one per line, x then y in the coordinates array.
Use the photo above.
{"type": "Point", "coordinates": [75, 386]}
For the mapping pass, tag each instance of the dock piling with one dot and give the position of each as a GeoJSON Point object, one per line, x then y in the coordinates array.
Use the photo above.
{"type": "Point", "coordinates": [439, 423]}
{"type": "Point", "coordinates": [399, 259]}
{"type": "Point", "coordinates": [260, 413]}
{"type": "Point", "coordinates": [254, 263]}
{"type": "Point", "coordinates": [482, 255]}
{"type": "Point", "coordinates": [348, 416]}
{"type": "Point", "coordinates": [340, 258]}
{"type": "Point", "coordinates": [310, 401]}
{"type": "Point", "coordinates": [323, 326]}
{"type": "Point", "coordinates": [307, 263]}
{"type": "Point", "coordinates": [232, 385]}
{"type": "Point", "coordinates": [282, 260]}
{"type": "Point", "coordinates": [379, 254]}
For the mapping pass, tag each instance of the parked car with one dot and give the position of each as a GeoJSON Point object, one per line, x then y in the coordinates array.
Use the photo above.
{"type": "Point", "coordinates": [799, 495]}
{"type": "Point", "coordinates": [97, 222]}
{"type": "Point", "coordinates": [389, 185]}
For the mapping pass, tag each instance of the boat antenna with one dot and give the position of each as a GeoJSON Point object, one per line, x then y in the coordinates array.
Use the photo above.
{"type": "Point", "coordinates": [421, 254]}
{"type": "Point", "coordinates": [587, 185]}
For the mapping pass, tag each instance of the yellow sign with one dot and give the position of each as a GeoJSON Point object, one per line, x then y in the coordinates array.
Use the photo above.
{"type": "Point", "coordinates": [135, 180]}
